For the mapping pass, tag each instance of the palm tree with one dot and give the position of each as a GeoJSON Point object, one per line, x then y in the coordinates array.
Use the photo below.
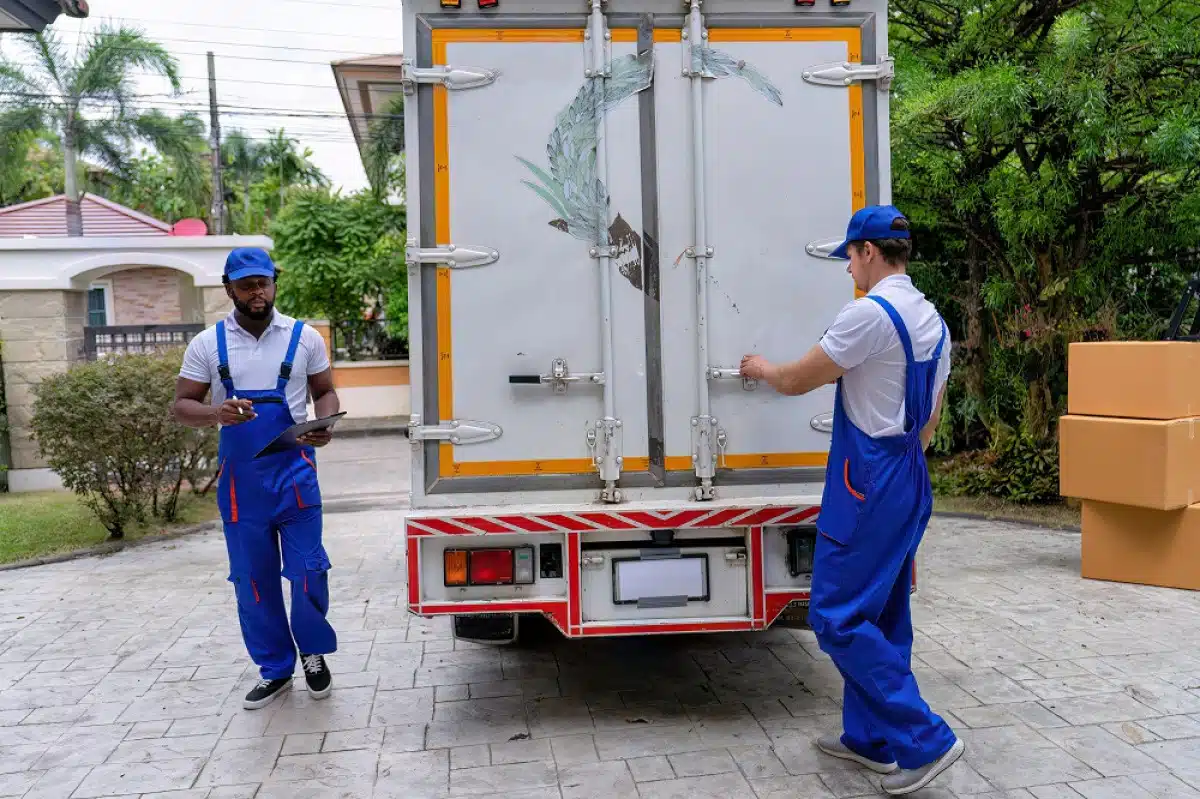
{"type": "Point", "coordinates": [384, 149]}
{"type": "Point", "coordinates": [89, 102]}
{"type": "Point", "coordinates": [291, 167]}
{"type": "Point", "coordinates": [246, 160]}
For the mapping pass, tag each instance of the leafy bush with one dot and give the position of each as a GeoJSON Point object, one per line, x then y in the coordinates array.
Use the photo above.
{"type": "Point", "coordinates": [106, 429]}
{"type": "Point", "coordinates": [1019, 469]}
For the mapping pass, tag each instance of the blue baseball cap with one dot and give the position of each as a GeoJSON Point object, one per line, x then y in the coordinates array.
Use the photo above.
{"type": "Point", "coordinates": [871, 223]}
{"type": "Point", "coordinates": [249, 262]}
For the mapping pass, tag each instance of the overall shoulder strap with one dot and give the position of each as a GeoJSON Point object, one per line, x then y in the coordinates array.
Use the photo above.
{"type": "Point", "coordinates": [223, 360]}
{"type": "Point", "coordinates": [937, 351]}
{"type": "Point", "coordinates": [285, 369]}
{"type": "Point", "coordinates": [898, 323]}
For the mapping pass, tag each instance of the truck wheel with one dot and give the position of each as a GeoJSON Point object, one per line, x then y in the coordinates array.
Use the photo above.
{"type": "Point", "coordinates": [494, 629]}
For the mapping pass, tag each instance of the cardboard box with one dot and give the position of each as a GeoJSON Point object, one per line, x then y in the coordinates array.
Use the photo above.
{"type": "Point", "coordinates": [1133, 545]}
{"type": "Point", "coordinates": [1134, 379]}
{"type": "Point", "coordinates": [1146, 464]}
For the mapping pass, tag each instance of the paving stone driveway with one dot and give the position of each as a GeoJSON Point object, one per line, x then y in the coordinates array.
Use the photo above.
{"type": "Point", "coordinates": [122, 676]}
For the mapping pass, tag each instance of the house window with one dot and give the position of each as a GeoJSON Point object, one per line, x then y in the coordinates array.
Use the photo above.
{"type": "Point", "coordinates": [99, 309]}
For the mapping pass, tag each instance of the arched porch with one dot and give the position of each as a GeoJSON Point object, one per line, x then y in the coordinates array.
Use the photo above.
{"type": "Point", "coordinates": [145, 291]}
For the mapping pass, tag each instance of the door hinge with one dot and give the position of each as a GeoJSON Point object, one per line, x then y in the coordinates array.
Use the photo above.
{"type": "Point", "coordinates": [452, 78]}
{"type": "Point", "coordinates": [822, 423]}
{"type": "Point", "coordinates": [456, 431]}
{"type": "Point", "coordinates": [823, 249]}
{"type": "Point", "coordinates": [455, 256]}
{"type": "Point", "coordinates": [843, 73]}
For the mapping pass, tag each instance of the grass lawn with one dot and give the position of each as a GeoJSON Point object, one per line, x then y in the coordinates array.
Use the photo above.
{"type": "Point", "coordinates": [1055, 516]}
{"type": "Point", "coordinates": [51, 523]}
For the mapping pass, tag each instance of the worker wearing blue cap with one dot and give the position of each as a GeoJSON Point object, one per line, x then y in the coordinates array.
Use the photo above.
{"type": "Point", "coordinates": [260, 367]}
{"type": "Point", "coordinates": [890, 355]}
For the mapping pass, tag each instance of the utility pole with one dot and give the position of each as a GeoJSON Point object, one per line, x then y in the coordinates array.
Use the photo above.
{"type": "Point", "coordinates": [218, 194]}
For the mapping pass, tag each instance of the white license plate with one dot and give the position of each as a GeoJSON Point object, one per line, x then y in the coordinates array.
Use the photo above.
{"type": "Point", "coordinates": [636, 580]}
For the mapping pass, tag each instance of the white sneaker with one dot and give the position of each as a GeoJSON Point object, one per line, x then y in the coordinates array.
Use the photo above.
{"type": "Point", "coordinates": [912, 780]}
{"type": "Point", "coordinates": [832, 745]}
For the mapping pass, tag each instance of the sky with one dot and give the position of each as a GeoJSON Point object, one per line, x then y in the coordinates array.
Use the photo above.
{"type": "Point", "coordinates": [272, 62]}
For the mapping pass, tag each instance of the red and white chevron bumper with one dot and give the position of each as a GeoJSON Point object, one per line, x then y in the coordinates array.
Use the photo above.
{"type": "Point", "coordinates": [743, 545]}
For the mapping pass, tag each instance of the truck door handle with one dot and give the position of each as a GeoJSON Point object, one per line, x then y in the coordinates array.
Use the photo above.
{"type": "Point", "coordinates": [559, 377]}
{"type": "Point", "coordinates": [748, 383]}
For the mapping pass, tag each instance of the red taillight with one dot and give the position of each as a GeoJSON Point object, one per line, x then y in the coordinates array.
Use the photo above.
{"type": "Point", "coordinates": [806, 2]}
{"type": "Point", "coordinates": [488, 3]}
{"type": "Point", "coordinates": [491, 566]}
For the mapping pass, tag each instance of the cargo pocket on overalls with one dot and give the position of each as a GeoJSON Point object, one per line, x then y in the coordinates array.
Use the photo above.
{"type": "Point", "coordinates": [245, 588]}
{"type": "Point", "coordinates": [314, 581]}
{"type": "Point", "coordinates": [843, 502]}
{"type": "Point", "coordinates": [227, 502]}
{"type": "Point", "coordinates": [305, 484]}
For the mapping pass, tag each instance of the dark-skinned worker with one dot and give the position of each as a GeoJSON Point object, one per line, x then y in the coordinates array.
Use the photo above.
{"type": "Point", "coordinates": [260, 367]}
{"type": "Point", "coordinates": [889, 353]}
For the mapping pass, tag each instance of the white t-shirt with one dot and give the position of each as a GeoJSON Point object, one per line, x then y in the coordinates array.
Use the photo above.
{"type": "Point", "coordinates": [254, 362]}
{"type": "Point", "coordinates": [863, 341]}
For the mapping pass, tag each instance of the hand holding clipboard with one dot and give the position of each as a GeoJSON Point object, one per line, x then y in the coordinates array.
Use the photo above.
{"type": "Point", "coordinates": [290, 438]}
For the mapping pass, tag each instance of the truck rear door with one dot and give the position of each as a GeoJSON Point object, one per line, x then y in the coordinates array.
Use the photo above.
{"type": "Point", "coordinates": [536, 373]}
{"type": "Point", "coordinates": [786, 163]}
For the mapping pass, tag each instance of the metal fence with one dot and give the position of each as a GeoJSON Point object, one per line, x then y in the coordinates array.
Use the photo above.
{"type": "Point", "coordinates": [367, 341]}
{"type": "Point", "coordinates": [100, 342]}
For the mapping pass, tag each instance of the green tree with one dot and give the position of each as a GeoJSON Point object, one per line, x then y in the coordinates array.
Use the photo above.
{"type": "Point", "coordinates": [89, 101]}
{"type": "Point", "coordinates": [245, 162]}
{"type": "Point", "coordinates": [31, 167]}
{"type": "Point", "coordinates": [285, 166]}
{"type": "Point", "coordinates": [1048, 154]}
{"type": "Point", "coordinates": [383, 155]}
{"type": "Point", "coordinates": [163, 187]}
{"type": "Point", "coordinates": [342, 258]}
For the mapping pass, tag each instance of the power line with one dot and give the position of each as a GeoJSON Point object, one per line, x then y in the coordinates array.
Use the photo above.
{"type": "Point", "coordinates": [321, 34]}
{"type": "Point", "coordinates": [229, 109]}
{"type": "Point", "coordinates": [241, 57]}
{"type": "Point", "coordinates": [394, 8]}
{"type": "Point", "coordinates": [94, 34]}
{"type": "Point", "coordinates": [321, 86]}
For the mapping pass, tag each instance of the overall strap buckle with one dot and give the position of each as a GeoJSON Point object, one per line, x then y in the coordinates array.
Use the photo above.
{"type": "Point", "coordinates": [285, 368]}
{"type": "Point", "coordinates": [223, 359]}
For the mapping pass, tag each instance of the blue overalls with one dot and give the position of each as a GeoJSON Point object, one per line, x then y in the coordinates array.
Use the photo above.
{"type": "Point", "coordinates": [267, 502]}
{"type": "Point", "coordinates": [876, 503]}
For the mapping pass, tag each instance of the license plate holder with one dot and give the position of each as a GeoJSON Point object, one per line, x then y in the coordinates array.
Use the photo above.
{"type": "Point", "coordinates": [658, 581]}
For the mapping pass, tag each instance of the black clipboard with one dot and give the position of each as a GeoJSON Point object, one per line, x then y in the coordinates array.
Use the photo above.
{"type": "Point", "coordinates": [287, 439]}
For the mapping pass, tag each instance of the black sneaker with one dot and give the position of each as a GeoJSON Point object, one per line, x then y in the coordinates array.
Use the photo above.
{"type": "Point", "coordinates": [316, 674]}
{"type": "Point", "coordinates": [265, 692]}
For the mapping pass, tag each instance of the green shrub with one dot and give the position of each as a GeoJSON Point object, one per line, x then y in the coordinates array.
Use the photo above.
{"type": "Point", "coordinates": [106, 429]}
{"type": "Point", "coordinates": [1019, 469]}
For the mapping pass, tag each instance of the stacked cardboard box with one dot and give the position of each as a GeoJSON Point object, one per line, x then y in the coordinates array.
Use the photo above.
{"type": "Point", "coordinates": [1130, 449]}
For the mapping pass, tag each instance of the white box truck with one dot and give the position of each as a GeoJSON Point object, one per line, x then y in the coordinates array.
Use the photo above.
{"type": "Point", "coordinates": [609, 203]}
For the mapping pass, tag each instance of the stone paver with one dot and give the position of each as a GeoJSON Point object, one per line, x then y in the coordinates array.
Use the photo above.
{"type": "Point", "coordinates": [122, 676]}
